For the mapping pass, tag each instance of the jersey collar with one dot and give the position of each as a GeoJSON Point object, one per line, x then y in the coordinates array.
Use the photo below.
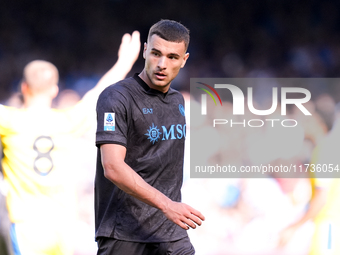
{"type": "Point", "coordinates": [147, 88]}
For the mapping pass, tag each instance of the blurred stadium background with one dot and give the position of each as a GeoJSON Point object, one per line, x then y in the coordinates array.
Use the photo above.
{"type": "Point", "coordinates": [283, 38]}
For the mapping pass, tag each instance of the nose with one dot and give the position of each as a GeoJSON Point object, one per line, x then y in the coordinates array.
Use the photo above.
{"type": "Point", "coordinates": [162, 63]}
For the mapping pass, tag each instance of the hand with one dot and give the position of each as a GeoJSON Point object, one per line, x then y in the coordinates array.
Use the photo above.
{"type": "Point", "coordinates": [286, 235]}
{"type": "Point", "coordinates": [183, 215]}
{"type": "Point", "coordinates": [129, 48]}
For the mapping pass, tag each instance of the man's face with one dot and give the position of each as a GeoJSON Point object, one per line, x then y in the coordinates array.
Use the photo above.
{"type": "Point", "coordinates": [163, 60]}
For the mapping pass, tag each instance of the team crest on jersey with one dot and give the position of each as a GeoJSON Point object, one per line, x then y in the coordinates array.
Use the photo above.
{"type": "Point", "coordinates": [153, 133]}
{"type": "Point", "coordinates": [181, 109]}
{"type": "Point", "coordinates": [109, 121]}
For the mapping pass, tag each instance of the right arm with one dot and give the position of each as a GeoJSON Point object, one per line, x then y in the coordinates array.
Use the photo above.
{"type": "Point", "coordinates": [317, 201]}
{"type": "Point", "coordinates": [315, 206]}
{"type": "Point", "coordinates": [125, 178]}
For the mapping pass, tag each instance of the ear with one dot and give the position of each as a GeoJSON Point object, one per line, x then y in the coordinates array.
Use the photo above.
{"type": "Point", "coordinates": [54, 91]}
{"type": "Point", "coordinates": [24, 88]}
{"type": "Point", "coordinates": [186, 56]}
{"type": "Point", "coordinates": [144, 50]}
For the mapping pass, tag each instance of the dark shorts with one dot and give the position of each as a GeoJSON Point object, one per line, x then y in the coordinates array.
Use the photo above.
{"type": "Point", "coordinates": [110, 246]}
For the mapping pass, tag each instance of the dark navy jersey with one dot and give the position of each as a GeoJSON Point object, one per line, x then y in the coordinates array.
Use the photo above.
{"type": "Point", "coordinates": [151, 125]}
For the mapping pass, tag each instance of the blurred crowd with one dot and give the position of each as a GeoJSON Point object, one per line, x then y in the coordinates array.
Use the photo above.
{"type": "Point", "coordinates": [228, 39]}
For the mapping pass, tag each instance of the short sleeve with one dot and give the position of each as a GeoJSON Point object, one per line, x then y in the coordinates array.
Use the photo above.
{"type": "Point", "coordinates": [112, 122]}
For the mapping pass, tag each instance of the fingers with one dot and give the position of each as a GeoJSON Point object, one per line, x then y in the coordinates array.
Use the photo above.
{"type": "Point", "coordinates": [183, 215]}
{"type": "Point", "coordinates": [194, 218]}
{"type": "Point", "coordinates": [131, 40]}
{"type": "Point", "coordinates": [135, 43]}
{"type": "Point", "coordinates": [197, 214]}
{"type": "Point", "coordinates": [186, 223]}
{"type": "Point", "coordinates": [284, 240]}
{"type": "Point", "coordinates": [182, 225]}
{"type": "Point", "coordinates": [126, 38]}
{"type": "Point", "coordinates": [191, 223]}
{"type": "Point", "coordinates": [285, 236]}
{"type": "Point", "coordinates": [130, 46]}
{"type": "Point", "coordinates": [135, 38]}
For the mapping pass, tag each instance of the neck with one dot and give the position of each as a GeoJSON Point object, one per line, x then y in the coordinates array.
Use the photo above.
{"type": "Point", "coordinates": [144, 76]}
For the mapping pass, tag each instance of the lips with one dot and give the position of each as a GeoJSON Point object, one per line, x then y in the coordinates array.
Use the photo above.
{"type": "Point", "coordinates": [160, 75]}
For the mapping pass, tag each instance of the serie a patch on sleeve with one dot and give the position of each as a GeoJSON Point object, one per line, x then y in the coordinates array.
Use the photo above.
{"type": "Point", "coordinates": [109, 121]}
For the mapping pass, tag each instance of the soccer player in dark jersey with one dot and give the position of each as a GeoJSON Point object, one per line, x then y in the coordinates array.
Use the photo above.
{"type": "Point", "coordinates": [140, 137]}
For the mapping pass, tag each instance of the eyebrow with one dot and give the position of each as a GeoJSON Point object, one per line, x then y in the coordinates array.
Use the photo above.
{"type": "Point", "coordinates": [170, 54]}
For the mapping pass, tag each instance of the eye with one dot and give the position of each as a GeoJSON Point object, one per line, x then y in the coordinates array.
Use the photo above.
{"type": "Point", "coordinates": [155, 53]}
{"type": "Point", "coordinates": [173, 57]}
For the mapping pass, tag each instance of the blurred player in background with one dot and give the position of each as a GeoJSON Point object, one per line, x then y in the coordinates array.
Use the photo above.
{"type": "Point", "coordinates": [37, 145]}
{"type": "Point", "coordinates": [5, 239]}
{"type": "Point", "coordinates": [324, 206]}
{"type": "Point", "coordinates": [140, 139]}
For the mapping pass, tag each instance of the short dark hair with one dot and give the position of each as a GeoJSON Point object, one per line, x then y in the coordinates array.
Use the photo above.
{"type": "Point", "coordinates": [171, 31]}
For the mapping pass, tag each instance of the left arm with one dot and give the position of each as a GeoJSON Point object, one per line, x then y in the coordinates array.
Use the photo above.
{"type": "Point", "coordinates": [126, 179]}
{"type": "Point", "coordinates": [127, 55]}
